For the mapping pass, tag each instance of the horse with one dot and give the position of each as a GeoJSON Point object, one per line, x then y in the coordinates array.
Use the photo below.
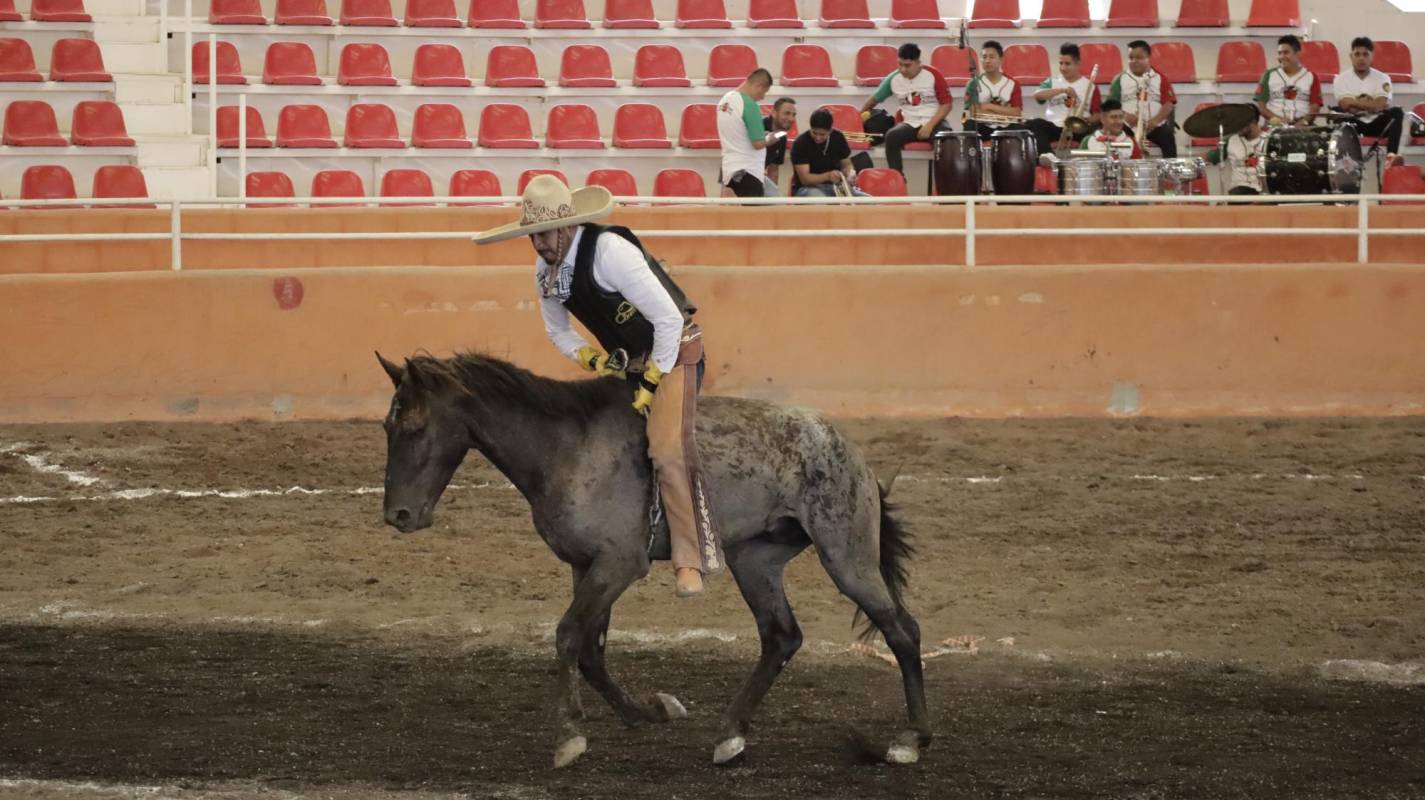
{"type": "Point", "coordinates": [781, 479]}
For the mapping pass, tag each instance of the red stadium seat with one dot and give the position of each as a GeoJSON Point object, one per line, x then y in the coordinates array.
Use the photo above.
{"type": "Point", "coordinates": [573, 126]}
{"type": "Point", "coordinates": [1064, 14]}
{"type": "Point", "coordinates": [679, 183]}
{"type": "Point", "coordinates": [17, 62]}
{"type": "Point", "coordinates": [807, 65]}
{"type": "Point", "coordinates": [952, 62]}
{"type": "Point", "coordinates": [304, 126]}
{"type": "Point", "coordinates": [368, 14]}
{"type": "Point", "coordinates": [474, 183]}
{"type": "Point", "coordinates": [1206, 141]}
{"type": "Point", "coordinates": [585, 66]}
{"type": "Point", "coordinates": [702, 14]}
{"type": "Point", "coordinates": [847, 119]}
{"type": "Point", "coordinates": [1322, 58]}
{"type": "Point", "coordinates": [511, 65]}
{"type": "Point", "coordinates": [290, 64]}
{"type": "Point", "coordinates": [59, 11]}
{"type": "Point", "coordinates": [995, 14]}
{"type": "Point", "coordinates": [32, 123]}
{"type": "Point", "coordinates": [1393, 58]}
{"type": "Point", "coordinates": [659, 65]}
{"type": "Point", "coordinates": [881, 182]}
{"type": "Point", "coordinates": [120, 180]}
{"type": "Point", "coordinates": [228, 128]}
{"type": "Point", "coordinates": [439, 125]}
{"type": "Point", "coordinates": [641, 126]}
{"type": "Point", "coordinates": [270, 184]}
{"type": "Point", "coordinates": [439, 65]}
{"type": "Point", "coordinates": [530, 174]}
{"type": "Point", "coordinates": [773, 14]}
{"type": "Point", "coordinates": [8, 12]}
{"type": "Point", "coordinates": [874, 62]}
{"type": "Point", "coordinates": [1027, 64]}
{"type": "Point", "coordinates": [365, 65]}
{"type": "Point", "coordinates": [1045, 181]}
{"type": "Point", "coordinates": [77, 60]}
{"type": "Point", "coordinates": [99, 123]}
{"type": "Point", "coordinates": [916, 14]}
{"type": "Point", "coordinates": [845, 14]}
{"type": "Point", "coordinates": [1175, 61]}
{"type": "Point", "coordinates": [1274, 14]}
{"type": "Point", "coordinates": [337, 183]}
{"type": "Point", "coordinates": [623, 14]}
{"type": "Point", "coordinates": [406, 183]}
{"type": "Point", "coordinates": [1403, 179]}
{"type": "Point", "coordinates": [698, 129]}
{"type": "Point", "coordinates": [560, 14]}
{"type": "Point", "coordinates": [1241, 62]}
{"type": "Point", "coordinates": [302, 12]}
{"type": "Point", "coordinates": [1107, 57]}
{"type": "Point", "coordinates": [229, 68]}
{"type": "Point", "coordinates": [47, 182]}
{"type": "Point", "coordinates": [495, 14]}
{"type": "Point", "coordinates": [236, 12]}
{"type": "Point", "coordinates": [1132, 14]}
{"type": "Point", "coordinates": [1204, 14]}
{"type": "Point", "coordinates": [619, 182]}
{"type": "Point", "coordinates": [432, 14]}
{"type": "Point", "coordinates": [505, 125]}
{"type": "Point", "coordinates": [730, 64]}
{"type": "Point", "coordinates": [1419, 112]}
{"type": "Point", "coordinates": [371, 125]}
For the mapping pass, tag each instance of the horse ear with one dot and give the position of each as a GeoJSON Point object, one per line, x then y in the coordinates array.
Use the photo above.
{"type": "Point", "coordinates": [392, 370]}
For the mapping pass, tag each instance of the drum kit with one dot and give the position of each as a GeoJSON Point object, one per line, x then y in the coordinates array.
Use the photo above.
{"type": "Point", "coordinates": [1321, 159]}
{"type": "Point", "coordinates": [965, 165]}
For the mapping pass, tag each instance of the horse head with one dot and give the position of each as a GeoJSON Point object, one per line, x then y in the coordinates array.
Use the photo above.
{"type": "Point", "coordinates": [426, 439]}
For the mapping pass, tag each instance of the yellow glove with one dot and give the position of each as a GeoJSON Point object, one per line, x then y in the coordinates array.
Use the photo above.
{"type": "Point", "coordinates": [594, 361]}
{"type": "Point", "coordinates": [647, 385]}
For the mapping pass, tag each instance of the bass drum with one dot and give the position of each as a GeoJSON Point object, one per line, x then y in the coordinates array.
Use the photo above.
{"type": "Point", "coordinates": [957, 163]}
{"type": "Point", "coordinates": [1015, 154]}
{"type": "Point", "coordinates": [1313, 161]}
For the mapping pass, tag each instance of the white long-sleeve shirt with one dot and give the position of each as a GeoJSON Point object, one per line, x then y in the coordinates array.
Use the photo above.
{"type": "Point", "coordinates": [618, 267]}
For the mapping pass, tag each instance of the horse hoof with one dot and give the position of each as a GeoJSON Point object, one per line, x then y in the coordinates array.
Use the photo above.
{"type": "Point", "coordinates": [729, 750]}
{"type": "Point", "coordinates": [672, 709]}
{"type": "Point", "coordinates": [902, 754]}
{"type": "Point", "coordinates": [569, 752]}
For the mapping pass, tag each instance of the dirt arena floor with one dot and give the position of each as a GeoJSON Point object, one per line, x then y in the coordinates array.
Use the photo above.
{"type": "Point", "coordinates": [1139, 609]}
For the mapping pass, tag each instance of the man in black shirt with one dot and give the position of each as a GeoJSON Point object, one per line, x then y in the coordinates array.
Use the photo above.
{"type": "Point", "coordinates": [821, 158]}
{"type": "Point", "coordinates": [783, 118]}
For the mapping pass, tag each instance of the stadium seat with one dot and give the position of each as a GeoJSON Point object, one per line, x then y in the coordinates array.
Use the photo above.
{"type": "Point", "coordinates": [474, 183]}
{"type": "Point", "coordinates": [99, 123]}
{"type": "Point", "coordinates": [511, 65]}
{"type": "Point", "coordinates": [1274, 14]}
{"type": "Point", "coordinates": [495, 14]}
{"type": "Point", "coordinates": [47, 182]}
{"type": "Point", "coordinates": [619, 182]}
{"type": "Point", "coordinates": [1064, 14]}
{"type": "Point", "coordinates": [505, 125]}
{"type": "Point", "coordinates": [560, 14]}
{"type": "Point", "coordinates": [229, 68]}
{"type": "Point", "coordinates": [304, 126]}
{"type": "Point", "coordinates": [270, 184]}
{"type": "Point", "coordinates": [773, 14]}
{"type": "Point", "coordinates": [1204, 14]}
{"type": "Point", "coordinates": [701, 14]}
{"type": "Point", "coordinates": [1132, 14]}
{"type": "Point", "coordinates": [1027, 64]}
{"type": "Point", "coordinates": [32, 123]}
{"type": "Point", "coordinates": [236, 12]}
{"type": "Point", "coordinates": [406, 183]}
{"type": "Point", "coordinates": [1175, 61]}
{"type": "Point", "coordinates": [439, 125]}
{"type": "Point", "coordinates": [1045, 180]}
{"type": "Point", "coordinates": [995, 14]}
{"type": "Point", "coordinates": [845, 14]}
{"type": "Point", "coordinates": [572, 126]}
{"type": "Point", "coordinates": [439, 65]}
{"type": "Point", "coordinates": [120, 180]}
{"type": "Point", "coordinates": [641, 126]}
{"type": "Point", "coordinates": [17, 62]}
{"type": "Point", "coordinates": [874, 62]}
{"type": "Point", "coordinates": [916, 14]}
{"type": "Point", "coordinates": [881, 182]}
{"type": "Point", "coordinates": [1419, 112]}
{"type": "Point", "coordinates": [8, 12]}
{"type": "Point", "coordinates": [1205, 141]}
{"type": "Point", "coordinates": [365, 65]}
{"type": "Point", "coordinates": [584, 66]}
{"type": "Point", "coordinates": [290, 64]}
{"type": "Point", "coordinates": [77, 60]}
{"type": "Point", "coordinates": [302, 12]}
{"type": "Point", "coordinates": [530, 174]}
{"type": "Point", "coordinates": [1403, 179]}
{"type": "Point", "coordinates": [679, 183]}
{"type": "Point", "coordinates": [807, 65]}
{"type": "Point", "coordinates": [1241, 62]}
{"type": "Point", "coordinates": [953, 63]}
{"type": "Point", "coordinates": [730, 64]}
{"type": "Point", "coordinates": [847, 119]}
{"type": "Point", "coordinates": [624, 14]}
{"type": "Point", "coordinates": [1322, 58]}
{"type": "Point", "coordinates": [1107, 57]}
{"type": "Point", "coordinates": [698, 128]}
{"type": "Point", "coordinates": [1393, 58]}
{"type": "Point", "coordinates": [59, 11]}
{"type": "Point", "coordinates": [659, 65]}
{"type": "Point", "coordinates": [337, 183]}
{"type": "Point", "coordinates": [228, 128]}
{"type": "Point", "coordinates": [368, 14]}
{"type": "Point", "coordinates": [432, 14]}
{"type": "Point", "coordinates": [371, 125]}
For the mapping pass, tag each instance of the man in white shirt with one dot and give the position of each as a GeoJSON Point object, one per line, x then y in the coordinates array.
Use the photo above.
{"type": "Point", "coordinates": [924, 99]}
{"type": "Point", "coordinates": [1113, 137]}
{"type": "Point", "coordinates": [1068, 93]}
{"type": "Point", "coordinates": [743, 136]}
{"type": "Point", "coordinates": [1148, 98]}
{"type": "Point", "coordinates": [992, 92]}
{"type": "Point", "coordinates": [1366, 92]}
{"type": "Point", "coordinates": [1289, 94]}
{"type": "Point", "coordinates": [1245, 151]}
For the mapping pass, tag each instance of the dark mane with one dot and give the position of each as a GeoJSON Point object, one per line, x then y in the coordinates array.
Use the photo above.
{"type": "Point", "coordinates": [492, 381]}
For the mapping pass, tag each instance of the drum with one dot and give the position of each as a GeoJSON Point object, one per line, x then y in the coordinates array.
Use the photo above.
{"type": "Point", "coordinates": [957, 163]}
{"type": "Point", "coordinates": [1140, 177]}
{"type": "Point", "coordinates": [1083, 176]}
{"type": "Point", "coordinates": [1014, 154]}
{"type": "Point", "coordinates": [1313, 161]}
{"type": "Point", "coordinates": [1180, 173]}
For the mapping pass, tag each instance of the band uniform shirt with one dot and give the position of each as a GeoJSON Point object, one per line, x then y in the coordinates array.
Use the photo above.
{"type": "Point", "coordinates": [776, 153]}
{"type": "Point", "coordinates": [620, 267]}
{"type": "Point", "coordinates": [1289, 96]}
{"type": "Point", "coordinates": [1244, 157]}
{"type": "Point", "coordinates": [1142, 95]}
{"type": "Point", "coordinates": [1057, 109]}
{"type": "Point", "coordinates": [1101, 142]}
{"type": "Point", "coordinates": [1375, 84]}
{"type": "Point", "coordinates": [819, 157]}
{"type": "Point", "coordinates": [1004, 92]}
{"type": "Point", "coordinates": [919, 97]}
{"type": "Point", "coordinates": [739, 124]}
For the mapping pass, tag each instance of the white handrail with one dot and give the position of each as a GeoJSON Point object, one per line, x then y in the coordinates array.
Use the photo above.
{"type": "Point", "coordinates": [188, 65]}
{"type": "Point", "coordinates": [212, 114]}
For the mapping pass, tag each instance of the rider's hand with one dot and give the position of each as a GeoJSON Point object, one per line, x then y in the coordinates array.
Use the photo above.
{"type": "Point", "coordinates": [594, 361]}
{"type": "Point", "coordinates": [647, 385]}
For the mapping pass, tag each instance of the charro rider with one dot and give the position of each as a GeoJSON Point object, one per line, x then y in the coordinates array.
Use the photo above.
{"type": "Point", "coordinates": [622, 295]}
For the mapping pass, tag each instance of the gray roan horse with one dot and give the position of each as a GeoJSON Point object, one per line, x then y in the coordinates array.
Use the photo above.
{"type": "Point", "coordinates": [781, 478]}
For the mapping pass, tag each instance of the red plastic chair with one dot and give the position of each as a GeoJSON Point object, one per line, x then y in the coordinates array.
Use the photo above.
{"type": "Point", "coordinates": [1274, 14]}
{"type": "Point", "coordinates": [228, 128]}
{"type": "Point", "coordinates": [99, 123]}
{"type": "Point", "coordinates": [290, 64]}
{"type": "Point", "coordinates": [368, 14]}
{"type": "Point", "coordinates": [474, 183]}
{"type": "Point", "coordinates": [371, 125]}
{"type": "Point", "coordinates": [505, 126]}
{"type": "Point", "coordinates": [337, 183]}
{"type": "Point", "coordinates": [530, 174]}
{"type": "Point", "coordinates": [625, 14]}
{"type": "Point", "coordinates": [365, 65]}
{"type": "Point", "coordinates": [952, 62]}
{"type": "Point", "coordinates": [31, 123]}
{"type": "Point", "coordinates": [585, 66]}
{"type": "Point", "coordinates": [432, 14]}
{"type": "Point", "coordinates": [1204, 14]}
{"type": "Point", "coordinates": [270, 184]}
{"type": "Point", "coordinates": [406, 183]}
{"type": "Point", "coordinates": [439, 125]}
{"type": "Point", "coordinates": [1045, 181]}
{"type": "Point", "coordinates": [659, 65]}
{"type": "Point", "coordinates": [845, 14]}
{"type": "Point", "coordinates": [120, 180]}
{"type": "Point", "coordinates": [1404, 179]}
{"type": "Point", "coordinates": [807, 65]}
{"type": "Point", "coordinates": [1393, 58]}
{"type": "Point", "coordinates": [560, 14]}
{"type": "Point", "coordinates": [302, 12]}
{"type": "Point", "coordinates": [1241, 62]}
{"type": "Point", "coordinates": [511, 65]}
{"type": "Point", "coordinates": [881, 182]}
{"type": "Point", "coordinates": [702, 14]}
{"type": "Point", "coordinates": [619, 182]}
{"type": "Point", "coordinates": [995, 14]}
{"type": "Point", "coordinates": [17, 62]}
{"type": "Point", "coordinates": [236, 12]}
{"type": "Point", "coordinates": [679, 183]}
{"type": "Point", "coordinates": [730, 64]}
{"type": "Point", "coordinates": [59, 11]}
{"type": "Point", "coordinates": [495, 14]}
{"type": "Point", "coordinates": [1175, 61]}
{"type": "Point", "coordinates": [8, 12]}
{"type": "Point", "coordinates": [1027, 64]}
{"type": "Point", "coordinates": [304, 126]}
{"type": "Point", "coordinates": [47, 182]}
{"type": "Point", "coordinates": [916, 14]}
{"type": "Point", "coordinates": [75, 60]}
{"type": "Point", "coordinates": [1064, 14]}
{"type": "Point", "coordinates": [773, 14]}
{"type": "Point", "coordinates": [1132, 14]}
{"type": "Point", "coordinates": [1107, 57]}
{"type": "Point", "coordinates": [847, 119]}
{"type": "Point", "coordinates": [640, 126]}
{"type": "Point", "coordinates": [874, 62]}
{"type": "Point", "coordinates": [229, 67]}
{"type": "Point", "coordinates": [573, 126]}
{"type": "Point", "coordinates": [698, 128]}
{"type": "Point", "coordinates": [439, 65]}
{"type": "Point", "coordinates": [1322, 58]}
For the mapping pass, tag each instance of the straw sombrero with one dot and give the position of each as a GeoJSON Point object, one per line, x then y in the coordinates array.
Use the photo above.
{"type": "Point", "coordinates": [548, 204]}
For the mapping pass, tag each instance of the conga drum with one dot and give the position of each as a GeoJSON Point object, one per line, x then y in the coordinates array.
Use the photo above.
{"type": "Point", "coordinates": [957, 167]}
{"type": "Point", "coordinates": [1015, 154]}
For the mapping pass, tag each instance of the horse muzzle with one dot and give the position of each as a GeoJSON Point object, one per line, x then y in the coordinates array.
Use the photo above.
{"type": "Point", "coordinates": [406, 521]}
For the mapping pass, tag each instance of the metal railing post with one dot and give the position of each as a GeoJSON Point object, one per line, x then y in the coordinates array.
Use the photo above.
{"type": "Point", "coordinates": [212, 115]}
{"type": "Point", "coordinates": [175, 229]}
{"type": "Point", "coordinates": [242, 146]}
{"type": "Point", "coordinates": [969, 231]}
{"type": "Point", "coordinates": [1363, 240]}
{"type": "Point", "coordinates": [188, 63]}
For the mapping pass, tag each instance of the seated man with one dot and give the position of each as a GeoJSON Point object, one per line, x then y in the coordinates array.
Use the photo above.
{"type": "Point", "coordinates": [924, 99]}
{"type": "Point", "coordinates": [821, 159]}
{"type": "Point", "coordinates": [1366, 91]}
{"type": "Point", "coordinates": [1113, 137]}
{"type": "Point", "coordinates": [1244, 154]}
{"type": "Point", "coordinates": [783, 118]}
{"type": "Point", "coordinates": [1148, 98]}
{"type": "Point", "coordinates": [993, 93]}
{"type": "Point", "coordinates": [1289, 94]}
{"type": "Point", "coordinates": [1064, 95]}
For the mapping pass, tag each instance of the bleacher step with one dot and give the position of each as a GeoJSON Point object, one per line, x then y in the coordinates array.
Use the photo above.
{"type": "Point", "coordinates": [145, 119]}
{"type": "Point", "coordinates": [147, 89]}
{"type": "Point", "coordinates": [169, 151]}
{"type": "Point", "coordinates": [126, 29]}
{"type": "Point", "coordinates": [134, 58]}
{"type": "Point", "coordinates": [114, 8]}
{"type": "Point", "coordinates": [182, 183]}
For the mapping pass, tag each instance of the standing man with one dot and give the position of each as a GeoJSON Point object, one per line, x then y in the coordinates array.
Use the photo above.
{"type": "Point", "coordinates": [739, 126]}
{"type": "Point", "coordinates": [992, 92]}
{"type": "Point", "coordinates": [1289, 94]}
{"type": "Point", "coordinates": [621, 294]}
{"type": "Point", "coordinates": [1366, 91]}
{"type": "Point", "coordinates": [1148, 98]}
{"type": "Point", "coordinates": [924, 99]}
{"type": "Point", "coordinates": [821, 158]}
{"type": "Point", "coordinates": [783, 118]}
{"type": "Point", "coordinates": [1063, 95]}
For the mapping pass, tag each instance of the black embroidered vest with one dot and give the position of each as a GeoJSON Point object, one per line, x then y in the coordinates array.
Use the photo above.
{"type": "Point", "coordinates": [608, 316]}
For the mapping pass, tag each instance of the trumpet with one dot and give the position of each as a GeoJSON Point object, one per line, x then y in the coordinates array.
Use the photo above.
{"type": "Point", "coordinates": [859, 136]}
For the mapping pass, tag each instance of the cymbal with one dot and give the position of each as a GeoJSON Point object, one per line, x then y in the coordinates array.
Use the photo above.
{"type": "Point", "coordinates": [1077, 127]}
{"type": "Point", "coordinates": [1228, 118]}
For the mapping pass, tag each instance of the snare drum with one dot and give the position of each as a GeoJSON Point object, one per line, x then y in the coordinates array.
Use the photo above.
{"type": "Point", "coordinates": [1180, 173]}
{"type": "Point", "coordinates": [957, 164]}
{"type": "Point", "coordinates": [1313, 161]}
{"type": "Point", "coordinates": [1083, 176]}
{"type": "Point", "coordinates": [1140, 177]}
{"type": "Point", "coordinates": [1015, 154]}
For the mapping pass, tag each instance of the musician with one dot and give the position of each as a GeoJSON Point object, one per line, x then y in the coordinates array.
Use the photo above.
{"type": "Point", "coordinates": [1366, 91]}
{"type": "Point", "coordinates": [821, 158]}
{"type": "Point", "coordinates": [1148, 98]}
{"type": "Point", "coordinates": [782, 118]}
{"type": "Point", "coordinates": [993, 92]}
{"type": "Point", "coordinates": [1245, 151]}
{"type": "Point", "coordinates": [924, 99]}
{"type": "Point", "coordinates": [1113, 137]}
{"type": "Point", "coordinates": [1063, 95]}
{"type": "Point", "coordinates": [1289, 94]}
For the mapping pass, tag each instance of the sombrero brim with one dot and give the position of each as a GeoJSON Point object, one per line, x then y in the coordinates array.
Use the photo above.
{"type": "Point", "coordinates": [590, 203]}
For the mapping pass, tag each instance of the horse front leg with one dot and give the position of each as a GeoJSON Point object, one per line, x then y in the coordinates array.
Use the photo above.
{"type": "Point", "coordinates": [657, 707]}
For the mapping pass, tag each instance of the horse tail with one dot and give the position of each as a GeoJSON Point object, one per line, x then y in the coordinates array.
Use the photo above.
{"type": "Point", "coordinates": [896, 551]}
